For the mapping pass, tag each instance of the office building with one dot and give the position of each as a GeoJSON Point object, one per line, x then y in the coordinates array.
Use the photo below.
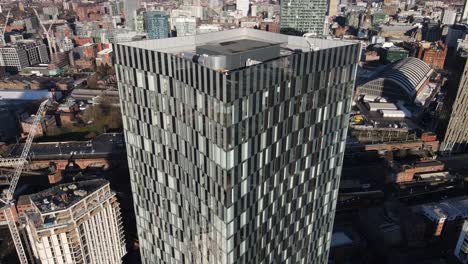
{"type": "Point", "coordinates": [456, 136]}
{"type": "Point", "coordinates": [449, 17]}
{"type": "Point", "coordinates": [455, 33]}
{"type": "Point", "coordinates": [37, 52]}
{"type": "Point", "coordinates": [130, 10]}
{"type": "Point", "coordinates": [235, 142]}
{"type": "Point", "coordinates": [157, 24]}
{"type": "Point", "coordinates": [13, 58]}
{"type": "Point", "coordinates": [75, 223]}
{"type": "Point", "coordinates": [461, 250]}
{"type": "Point", "coordinates": [303, 16]}
{"type": "Point", "coordinates": [22, 54]}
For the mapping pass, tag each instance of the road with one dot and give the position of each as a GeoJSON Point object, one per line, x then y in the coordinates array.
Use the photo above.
{"type": "Point", "coordinates": [103, 145]}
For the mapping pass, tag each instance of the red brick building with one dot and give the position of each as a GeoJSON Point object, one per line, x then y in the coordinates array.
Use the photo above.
{"type": "Point", "coordinates": [88, 12]}
{"type": "Point", "coordinates": [47, 122]}
{"type": "Point", "coordinates": [406, 172]}
{"type": "Point", "coordinates": [433, 53]}
{"type": "Point", "coordinates": [89, 51]}
{"type": "Point", "coordinates": [270, 26]}
{"type": "Point", "coordinates": [80, 41]}
{"type": "Point", "coordinates": [24, 204]}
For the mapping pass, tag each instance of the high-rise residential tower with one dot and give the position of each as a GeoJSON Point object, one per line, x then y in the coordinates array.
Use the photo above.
{"type": "Point", "coordinates": [75, 223]}
{"type": "Point", "coordinates": [243, 6]}
{"type": "Point", "coordinates": [235, 142]}
{"type": "Point", "coordinates": [333, 8]}
{"type": "Point", "coordinates": [157, 24]}
{"type": "Point", "coordinates": [456, 136]}
{"type": "Point", "coordinates": [464, 16]}
{"type": "Point", "coordinates": [130, 9]}
{"type": "Point", "coordinates": [303, 16]}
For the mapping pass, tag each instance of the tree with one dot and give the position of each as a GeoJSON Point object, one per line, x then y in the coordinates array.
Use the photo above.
{"type": "Point", "coordinates": [105, 70]}
{"type": "Point", "coordinates": [93, 81]}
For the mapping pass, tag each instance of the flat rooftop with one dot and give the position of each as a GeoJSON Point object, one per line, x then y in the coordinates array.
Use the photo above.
{"type": "Point", "coordinates": [236, 46]}
{"type": "Point", "coordinates": [451, 208]}
{"type": "Point", "coordinates": [240, 39]}
{"type": "Point", "coordinates": [63, 196]}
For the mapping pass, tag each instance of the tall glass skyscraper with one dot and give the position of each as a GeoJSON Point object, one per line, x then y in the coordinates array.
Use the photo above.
{"type": "Point", "coordinates": [303, 16]}
{"type": "Point", "coordinates": [157, 24]}
{"type": "Point", "coordinates": [235, 143]}
{"type": "Point", "coordinates": [456, 136]}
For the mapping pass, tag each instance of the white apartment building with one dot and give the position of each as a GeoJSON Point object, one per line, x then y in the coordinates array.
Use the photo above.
{"type": "Point", "coordinates": [185, 26]}
{"type": "Point", "coordinates": [75, 223]}
{"type": "Point", "coordinates": [207, 28]}
{"type": "Point", "coordinates": [243, 6]}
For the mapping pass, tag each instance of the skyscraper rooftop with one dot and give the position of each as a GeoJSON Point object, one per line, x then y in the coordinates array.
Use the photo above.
{"type": "Point", "coordinates": [65, 195]}
{"type": "Point", "coordinates": [190, 43]}
{"type": "Point", "coordinates": [246, 43]}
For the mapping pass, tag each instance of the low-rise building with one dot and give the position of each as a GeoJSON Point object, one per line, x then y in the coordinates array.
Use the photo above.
{"type": "Point", "coordinates": [406, 172]}
{"type": "Point", "coordinates": [433, 53]}
{"type": "Point", "coordinates": [207, 28]}
{"type": "Point", "coordinates": [446, 217]}
{"type": "Point", "coordinates": [46, 123]}
{"type": "Point", "coordinates": [104, 57]}
{"type": "Point", "coordinates": [392, 54]}
{"type": "Point", "coordinates": [23, 205]}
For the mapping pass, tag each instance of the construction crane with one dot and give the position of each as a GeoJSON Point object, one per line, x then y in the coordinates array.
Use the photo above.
{"type": "Point", "coordinates": [50, 40]}
{"type": "Point", "coordinates": [2, 40]}
{"type": "Point", "coordinates": [7, 196]}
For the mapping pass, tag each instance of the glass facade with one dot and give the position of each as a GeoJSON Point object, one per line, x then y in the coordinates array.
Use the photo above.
{"type": "Point", "coordinates": [157, 24]}
{"type": "Point", "coordinates": [456, 136]}
{"type": "Point", "coordinates": [238, 166]}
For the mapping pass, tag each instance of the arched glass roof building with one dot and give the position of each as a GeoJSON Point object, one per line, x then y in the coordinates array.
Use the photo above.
{"type": "Point", "coordinates": [400, 80]}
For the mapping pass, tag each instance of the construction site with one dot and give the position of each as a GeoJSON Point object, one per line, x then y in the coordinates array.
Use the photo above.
{"type": "Point", "coordinates": [50, 223]}
{"type": "Point", "coordinates": [68, 222]}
